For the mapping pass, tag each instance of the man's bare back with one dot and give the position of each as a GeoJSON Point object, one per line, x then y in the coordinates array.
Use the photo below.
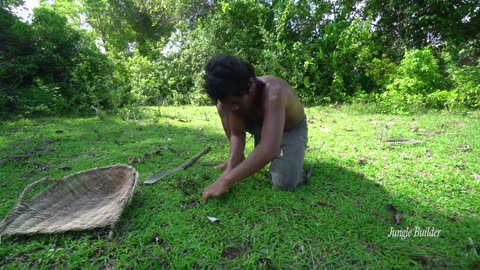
{"type": "Point", "coordinates": [294, 111]}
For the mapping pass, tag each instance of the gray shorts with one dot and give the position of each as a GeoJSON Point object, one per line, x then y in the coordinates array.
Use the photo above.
{"type": "Point", "coordinates": [286, 171]}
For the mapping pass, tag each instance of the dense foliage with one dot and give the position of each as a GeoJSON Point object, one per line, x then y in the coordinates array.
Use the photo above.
{"type": "Point", "coordinates": [119, 54]}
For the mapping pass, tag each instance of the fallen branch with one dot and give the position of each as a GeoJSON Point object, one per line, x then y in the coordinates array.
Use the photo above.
{"type": "Point", "coordinates": [27, 155]}
{"type": "Point", "coordinates": [403, 141]}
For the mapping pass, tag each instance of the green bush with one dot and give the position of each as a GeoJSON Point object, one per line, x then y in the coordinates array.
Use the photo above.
{"type": "Point", "coordinates": [444, 99]}
{"type": "Point", "coordinates": [382, 72]}
{"type": "Point", "coordinates": [143, 85]}
{"type": "Point", "coordinates": [466, 81]}
{"type": "Point", "coordinates": [324, 50]}
{"type": "Point", "coordinates": [416, 85]}
{"type": "Point", "coordinates": [58, 68]}
{"type": "Point", "coordinates": [418, 73]}
{"type": "Point", "coordinates": [396, 102]}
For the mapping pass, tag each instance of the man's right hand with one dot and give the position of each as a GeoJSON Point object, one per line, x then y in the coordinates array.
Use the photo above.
{"type": "Point", "coordinates": [215, 190]}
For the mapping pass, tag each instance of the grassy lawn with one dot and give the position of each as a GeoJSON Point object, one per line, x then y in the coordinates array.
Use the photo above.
{"type": "Point", "coordinates": [372, 174]}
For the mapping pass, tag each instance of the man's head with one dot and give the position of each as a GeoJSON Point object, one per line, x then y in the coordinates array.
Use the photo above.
{"type": "Point", "coordinates": [228, 78]}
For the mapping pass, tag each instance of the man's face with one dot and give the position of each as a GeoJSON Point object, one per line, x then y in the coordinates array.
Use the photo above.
{"type": "Point", "coordinates": [240, 104]}
{"type": "Point", "coordinates": [235, 104]}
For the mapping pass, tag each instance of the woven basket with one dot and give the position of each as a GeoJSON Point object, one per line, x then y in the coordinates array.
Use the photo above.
{"type": "Point", "coordinates": [80, 201]}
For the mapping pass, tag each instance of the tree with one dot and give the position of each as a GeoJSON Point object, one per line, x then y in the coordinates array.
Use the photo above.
{"type": "Point", "coordinates": [17, 61]}
{"type": "Point", "coordinates": [7, 4]}
{"type": "Point", "coordinates": [416, 24]}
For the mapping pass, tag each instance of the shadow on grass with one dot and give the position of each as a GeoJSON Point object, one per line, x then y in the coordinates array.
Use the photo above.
{"type": "Point", "coordinates": [343, 219]}
{"type": "Point", "coordinates": [376, 222]}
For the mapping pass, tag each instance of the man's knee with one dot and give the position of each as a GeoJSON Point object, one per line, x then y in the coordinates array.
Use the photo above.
{"type": "Point", "coordinates": [283, 181]}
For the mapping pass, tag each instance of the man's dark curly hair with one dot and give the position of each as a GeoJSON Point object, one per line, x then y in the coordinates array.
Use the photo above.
{"type": "Point", "coordinates": [226, 75]}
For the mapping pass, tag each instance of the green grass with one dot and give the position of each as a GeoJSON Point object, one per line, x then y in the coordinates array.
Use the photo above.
{"type": "Point", "coordinates": [339, 220]}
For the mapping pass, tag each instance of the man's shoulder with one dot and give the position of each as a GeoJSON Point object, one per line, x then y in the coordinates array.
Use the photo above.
{"type": "Point", "coordinates": [275, 86]}
{"type": "Point", "coordinates": [271, 79]}
{"type": "Point", "coordinates": [274, 82]}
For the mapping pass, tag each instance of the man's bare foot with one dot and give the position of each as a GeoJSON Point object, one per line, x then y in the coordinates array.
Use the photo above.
{"type": "Point", "coordinates": [222, 166]}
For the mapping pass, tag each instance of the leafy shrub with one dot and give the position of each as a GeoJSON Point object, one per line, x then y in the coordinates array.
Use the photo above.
{"type": "Point", "coordinates": [382, 72]}
{"type": "Point", "coordinates": [444, 99]}
{"type": "Point", "coordinates": [418, 73]}
{"type": "Point", "coordinates": [415, 85]}
{"type": "Point", "coordinates": [466, 81]}
{"type": "Point", "coordinates": [351, 58]}
{"type": "Point", "coordinates": [58, 68]}
{"type": "Point", "coordinates": [141, 73]}
{"type": "Point", "coordinates": [396, 102]}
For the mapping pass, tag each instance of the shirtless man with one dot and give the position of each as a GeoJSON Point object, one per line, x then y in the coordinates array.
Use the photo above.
{"type": "Point", "coordinates": [266, 107]}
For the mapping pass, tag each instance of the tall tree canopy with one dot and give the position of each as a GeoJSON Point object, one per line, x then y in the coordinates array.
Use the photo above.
{"type": "Point", "coordinates": [124, 53]}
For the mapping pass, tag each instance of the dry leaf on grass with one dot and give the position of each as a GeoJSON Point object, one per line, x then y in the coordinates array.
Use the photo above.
{"type": "Point", "coordinates": [324, 204]}
{"type": "Point", "coordinates": [424, 174]}
{"type": "Point", "coordinates": [465, 148]}
{"type": "Point", "coordinates": [213, 219]}
{"type": "Point", "coordinates": [146, 156]}
{"type": "Point", "coordinates": [396, 215]}
{"type": "Point", "coordinates": [134, 160]}
{"type": "Point", "coordinates": [362, 160]}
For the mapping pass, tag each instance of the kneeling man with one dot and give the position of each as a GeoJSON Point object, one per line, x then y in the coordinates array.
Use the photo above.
{"type": "Point", "coordinates": [266, 107]}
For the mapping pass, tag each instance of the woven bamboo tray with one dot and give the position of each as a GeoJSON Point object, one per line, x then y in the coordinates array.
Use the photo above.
{"type": "Point", "coordinates": [84, 200]}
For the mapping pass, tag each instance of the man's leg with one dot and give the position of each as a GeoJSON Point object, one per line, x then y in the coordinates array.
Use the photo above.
{"type": "Point", "coordinates": [286, 171]}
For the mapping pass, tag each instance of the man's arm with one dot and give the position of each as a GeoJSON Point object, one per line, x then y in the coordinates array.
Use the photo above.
{"type": "Point", "coordinates": [269, 146]}
{"type": "Point", "coordinates": [264, 152]}
{"type": "Point", "coordinates": [237, 141]}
